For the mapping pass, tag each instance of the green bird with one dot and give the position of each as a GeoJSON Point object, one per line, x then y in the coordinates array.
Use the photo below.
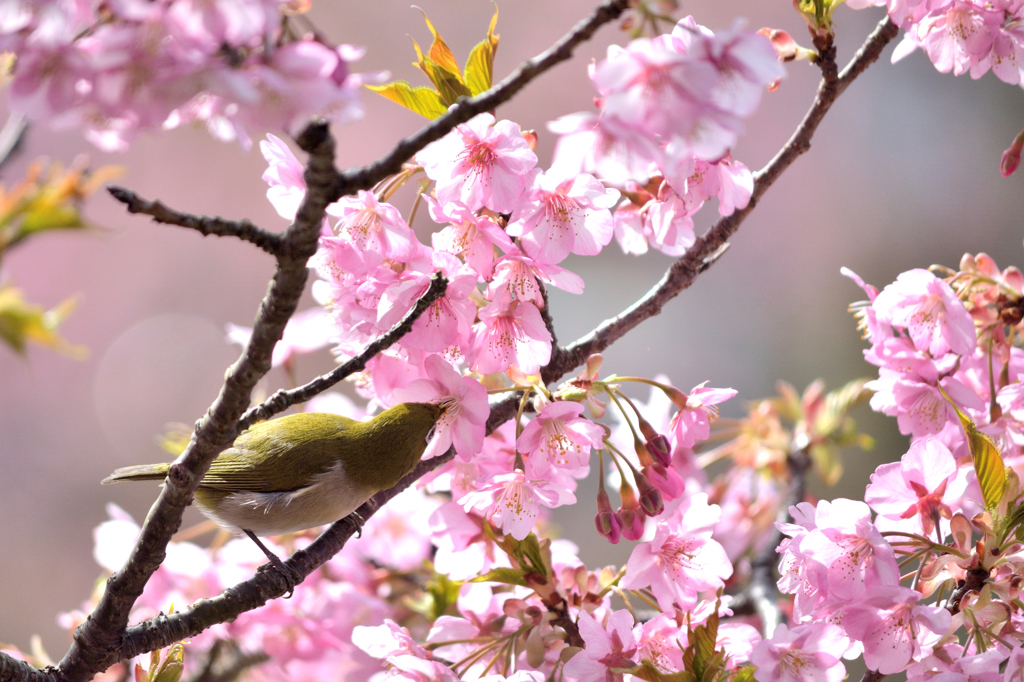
{"type": "Point", "coordinates": [305, 470]}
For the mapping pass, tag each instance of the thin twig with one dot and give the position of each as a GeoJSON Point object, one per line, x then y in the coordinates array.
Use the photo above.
{"type": "Point", "coordinates": [205, 225]}
{"type": "Point", "coordinates": [683, 272]}
{"type": "Point", "coordinates": [365, 177]}
{"type": "Point", "coordinates": [282, 400]}
{"type": "Point", "coordinates": [226, 661]}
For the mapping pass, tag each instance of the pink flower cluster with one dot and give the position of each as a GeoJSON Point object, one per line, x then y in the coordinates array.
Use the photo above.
{"type": "Point", "coordinates": [671, 108]}
{"type": "Point", "coordinates": [961, 36]}
{"type": "Point", "coordinates": [117, 68]}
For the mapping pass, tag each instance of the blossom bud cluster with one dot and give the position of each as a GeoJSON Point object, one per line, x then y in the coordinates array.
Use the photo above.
{"type": "Point", "coordinates": [114, 69]}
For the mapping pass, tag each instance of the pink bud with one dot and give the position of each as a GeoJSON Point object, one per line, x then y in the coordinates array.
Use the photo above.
{"type": "Point", "coordinates": [660, 448]}
{"type": "Point", "coordinates": [1011, 157]}
{"type": "Point", "coordinates": [650, 497]}
{"type": "Point", "coordinates": [632, 522]}
{"type": "Point", "coordinates": [608, 523]}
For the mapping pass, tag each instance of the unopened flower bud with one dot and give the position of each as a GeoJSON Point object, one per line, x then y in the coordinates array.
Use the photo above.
{"type": "Point", "coordinates": [660, 448]}
{"type": "Point", "coordinates": [608, 523]}
{"type": "Point", "coordinates": [650, 497]}
{"type": "Point", "coordinates": [1011, 157]}
{"type": "Point", "coordinates": [531, 139]}
{"type": "Point", "coordinates": [632, 522]}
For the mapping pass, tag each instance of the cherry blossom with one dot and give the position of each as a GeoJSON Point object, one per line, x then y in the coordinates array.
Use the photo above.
{"type": "Point", "coordinates": [807, 653]}
{"type": "Point", "coordinates": [480, 163]}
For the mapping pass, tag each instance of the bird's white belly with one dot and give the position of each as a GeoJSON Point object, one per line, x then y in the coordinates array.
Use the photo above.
{"type": "Point", "coordinates": [330, 497]}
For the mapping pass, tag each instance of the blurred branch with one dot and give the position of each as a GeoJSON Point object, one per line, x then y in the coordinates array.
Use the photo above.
{"type": "Point", "coordinates": [283, 399]}
{"type": "Point", "coordinates": [11, 137]}
{"type": "Point", "coordinates": [226, 661]}
{"type": "Point", "coordinates": [205, 225]}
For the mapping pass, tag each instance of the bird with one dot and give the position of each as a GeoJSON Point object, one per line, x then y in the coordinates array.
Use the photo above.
{"type": "Point", "coordinates": [304, 470]}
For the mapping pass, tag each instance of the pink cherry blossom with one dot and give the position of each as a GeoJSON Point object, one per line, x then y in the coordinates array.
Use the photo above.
{"type": "Point", "coordinates": [284, 175]}
{"type": "Point", "coordinates": [480, 163]}
{"type": "Point", "coordinates": [920, 492]}
{"type": "Point", "coordinates": [509, 333]}
{"type": "Point", "coordinates": [375, 232]}
{"type": "Point", "coordinates": [608, 647]}
{"type": "Point", "coordinates": [682, 559]}
{"type": "Point", "coordinates": [465, 418]}
{"type": "Point", "coordinates": [846, 541]}
{"type": "Point", "coordinates": [807, 653]}
{"type": "Point", "coordinates": [930, 311]}
{"type": "Point", "coordinates": [693, 422]}
{"type": "Point", "coordinates": [512, 502]}
{"type": "Point", "coordinates": [559, 216]}
{"type": "Point", "coordinates": [517, 273]}
{"type": "Point", "coordinates": [470, 236]}
{"type": "Point", "coordinates": [559, 437]}
{"type": "Point", "coordinates": [894, 627]}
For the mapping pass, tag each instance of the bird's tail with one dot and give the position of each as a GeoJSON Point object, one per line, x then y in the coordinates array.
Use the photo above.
{"type": "Point", "coordinates": [139, 472]}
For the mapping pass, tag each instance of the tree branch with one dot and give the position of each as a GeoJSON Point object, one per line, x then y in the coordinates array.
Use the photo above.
{"type": "Point", "coordinates": [682, 273]}
{"type": "Point", "coordinates": [364, 177]}
{"type": "Point", "coordinates": [205, 225]}
{"type": "Point", "coordinates": [283, 399]}
{"type": "Point", "coordinates": [96, 643]}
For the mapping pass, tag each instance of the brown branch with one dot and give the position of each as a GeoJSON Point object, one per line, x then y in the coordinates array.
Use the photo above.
{"type": "Point", "coordinates": [365, 177]}
{"type": "Point", "coordinates": [104, 638]}
{"type": "Point", "coordinates": [205, 225]}
{"type": "Point", "coordinates": [282, 400]}
{"type": "Point", "coordinates": [872, 676]}
{"type": "Point", "coordinates": [226, 661]}
{"type": "Point", "coordinates": [683, 272]}
{"type": "Point", "coordinates": [97, 642]}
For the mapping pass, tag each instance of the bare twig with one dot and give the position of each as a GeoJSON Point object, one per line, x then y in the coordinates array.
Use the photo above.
{"type": "Point", "coordinates": [226, 661]}
{"type": "Point", "coordinates": [682, 273]}
{"type": "Point", "coordinates": [205, 225]}
{"type": "Point", "coordinates": [367, 176]}
{"type": "Point", "coordinates": [283, 399]}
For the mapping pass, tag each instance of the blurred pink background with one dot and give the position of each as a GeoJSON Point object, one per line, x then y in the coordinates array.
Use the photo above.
{"type": "Point", "coordinates": [903, 173]}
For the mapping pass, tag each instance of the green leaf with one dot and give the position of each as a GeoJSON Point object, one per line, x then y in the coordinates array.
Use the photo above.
{"type": "Point", "coordinates": [22, 322]}
{"type": "Point", "coordinates": [440, 54]}
{"type": "Point", "coordinates": [988, 463]}
{"type": "Point", "coordinates": [506, 576]}
{"type": "Point", "coordinates": [421, 99]}
{"type": "Point", "coordinates": [480, 65]}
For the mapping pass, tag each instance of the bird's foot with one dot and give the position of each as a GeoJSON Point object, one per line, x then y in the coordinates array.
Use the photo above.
{"type": "Point", "coordinates": [291, 576]}
{"type": "Point", "coordinates": [357, 521]}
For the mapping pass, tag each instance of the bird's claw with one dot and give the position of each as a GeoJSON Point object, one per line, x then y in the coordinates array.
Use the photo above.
{"type": "Point", "coordinates": [356, 519]}
{"type": "Point", "coordinates": [292, 577]}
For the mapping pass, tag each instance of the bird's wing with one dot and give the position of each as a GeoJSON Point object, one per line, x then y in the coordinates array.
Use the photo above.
{"type": "Point", "coordinates": [309, 444]}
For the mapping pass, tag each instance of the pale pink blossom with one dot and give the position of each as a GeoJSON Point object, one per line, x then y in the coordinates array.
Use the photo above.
{"type": "Point", "coordinates": [920, 492]}
{"type": "Point", "coordinates": [607, 648]}
{"type": "Point", "coordinates": [807, 653]}
{"type": "Point", "coordinates": [284, 175]}
{"type": "Point", "coordinates": [517, 273]}
{"type": "Point", "coordinates": [374, 231]}
{"type": "Point", "coordinates": [464, 421]}
{"type": "Point", "coordinates": [559, 216]}
{"type": "Point", "coordinates": [894, 627]}
{"type": "Point", "coordinates": [682, 559]}
{"type": "Point", "coordinates": [480, 163]}
{"type": "Point", "coordinates": [509, 333]}
{"type": "Point", "coordinates": [470, 236]}
{"type": "Point", "coordinates": [693, 422]}
{"type": "Point", "coordinates": [559, 437]}
{"type": "Point", "coordinates": [512, 502]}
{"type": "Point", "coordinates": [930, 311]}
